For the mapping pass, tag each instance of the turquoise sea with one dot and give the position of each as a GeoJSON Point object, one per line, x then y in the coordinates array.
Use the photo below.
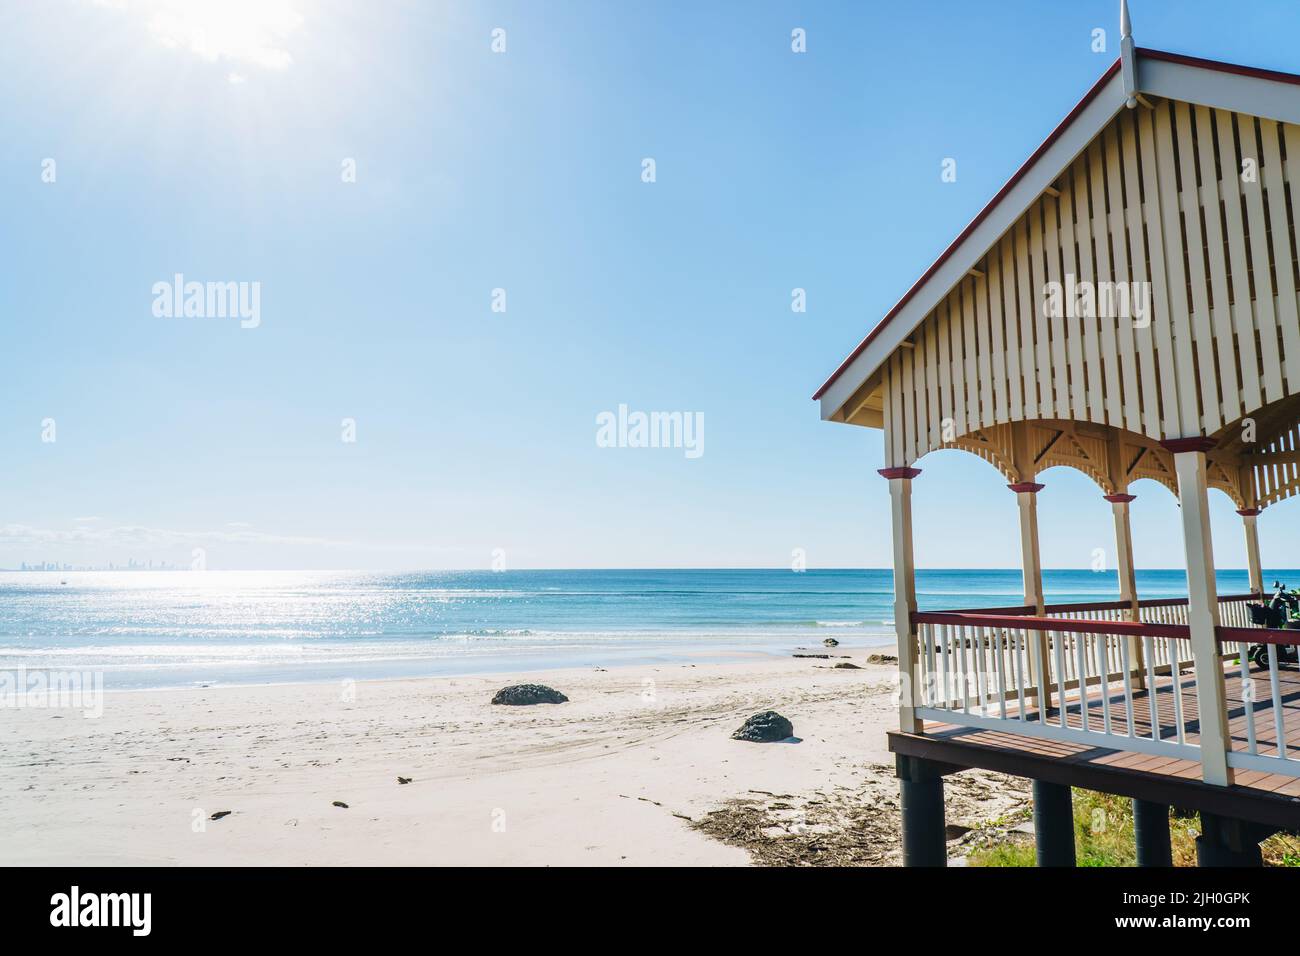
{"type": "Point", "coordinates": [168, 629]}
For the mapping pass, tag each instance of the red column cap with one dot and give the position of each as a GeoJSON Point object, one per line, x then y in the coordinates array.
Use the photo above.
{"type": "Point", "coordinates": [1196, 443]}
{"type": "Point", "coordinates": [899, 472]}
{"type": "Point", "coordinates": [1248, 512]}
{"type": "Point", "coordinates": [1029, 486]}
{"type": "Point", "coordinates": [1119, 499]}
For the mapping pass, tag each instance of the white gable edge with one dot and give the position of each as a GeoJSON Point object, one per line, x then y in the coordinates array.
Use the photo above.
{"type": "Point", "coordinates": [1253, 95]}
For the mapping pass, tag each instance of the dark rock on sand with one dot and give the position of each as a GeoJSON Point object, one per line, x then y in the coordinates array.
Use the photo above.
{"type": "Point", "coordinates": [846, 666]}
{"type": "Point", "coordinates": [882, 659]}
{"type": "Point", "coordinates": [520, 694]}
{"type": "Point", "coordinates": [765, 728]}
{"type": "Point", "coordinates": [219, 814]}
{"type": "Point", "coordinates": [403, 779]}
{"type": "Point", "coordinates": [339, 803]}
{"type": "Point", "coordinates": [831, 642]}
{"type": "Point", "coordinates": [820, 657]}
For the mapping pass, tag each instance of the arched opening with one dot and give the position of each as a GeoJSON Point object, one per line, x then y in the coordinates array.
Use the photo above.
{"type": "Point", "coordinates": [961, 514]}
{"type": "Point", "coordinates": [1279, 545]}
{"type": "Point", "coordinates": [1076, 532]}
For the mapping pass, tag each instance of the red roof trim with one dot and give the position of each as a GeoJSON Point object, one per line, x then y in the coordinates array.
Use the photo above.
{"type": "Point", "coordinates": [974, 223]}
{"type": "Point", "coordinates": [1220, 67]}
{"type": "Point", "coordinates": [1019, 174]}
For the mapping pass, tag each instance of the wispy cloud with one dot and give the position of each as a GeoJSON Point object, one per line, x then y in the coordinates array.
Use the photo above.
{"type": "Point", "coordinates": [140, 536]}
{"type": "Point", "coordinates": [245, 32]}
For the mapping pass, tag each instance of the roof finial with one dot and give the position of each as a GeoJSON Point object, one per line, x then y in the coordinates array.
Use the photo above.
{"type": "Point", "coordinates": [1127, 56]}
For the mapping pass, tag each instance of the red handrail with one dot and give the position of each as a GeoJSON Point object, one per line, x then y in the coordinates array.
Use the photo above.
{"type": "Point", "coordinates": [1086, 606]}
{"type": "Point", "coordinates": [1181, 601]}
{"type": "Point", "coordinates": [1016, 610]}
{"type": "Point", "coordinates": [1064, 624]}
{"type": "Point", "coordinates": [1257, 635]}
{"type": "Point", "coordinates": [1107, 605]}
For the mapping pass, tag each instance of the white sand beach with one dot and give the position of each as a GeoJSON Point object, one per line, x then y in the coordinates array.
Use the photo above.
{"type": "Point", "coordinates": [621, 774]}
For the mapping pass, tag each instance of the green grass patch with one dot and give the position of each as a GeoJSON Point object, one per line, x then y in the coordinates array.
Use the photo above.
{"type": "Point", "coordinates": [1103, 836]}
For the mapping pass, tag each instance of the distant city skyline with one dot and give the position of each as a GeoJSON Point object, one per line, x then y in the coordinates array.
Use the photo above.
{"type": "Point", "coordinates": [130, 565]}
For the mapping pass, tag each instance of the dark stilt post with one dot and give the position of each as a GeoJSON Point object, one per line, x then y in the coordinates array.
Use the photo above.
{"type": "Point", "coordinates": [924, 840]}
{"type": "Point", "coordinates": [1151, 833]}
{"type": "Point", "coordinates": [1228, 842]}
{"type": "Point", "coordinates": [1053, 824]}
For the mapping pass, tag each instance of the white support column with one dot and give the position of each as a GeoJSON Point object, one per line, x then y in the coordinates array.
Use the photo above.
{"type": "Point", "coordinates": [1031, 563]}
{"type": "Point", "coordinates": [900, 493]}
{"type": "Point", "coordinates": [1250, 519]}
{"type": "Point", "coordinates": [1203, 607]}
{"type": "Point", "coordinates": [1128, 582]}
{"type": "Point", "coordinates": [1124, 549]}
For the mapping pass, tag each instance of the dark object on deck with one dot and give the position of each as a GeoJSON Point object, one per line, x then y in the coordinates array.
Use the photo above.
{"type": "Point", "coordinates": [1261, 615]}
{"type": "Point", "coordinates": [767, 727]}
{"type": "Point", "coordinates": [1053, 824]}
{"type": "Point", "coordinates": [1278, 613]}
{"type": "Point", "coordinates": [1151, 833]}
{"type": "Point", "coordinates": [339, 803]}
{"type": "Point", "coordinates": [219, 814]}
{"type": "Point", "coordinates": [831, 642]}
{"type": "Point", "coordinates": [518, 695]}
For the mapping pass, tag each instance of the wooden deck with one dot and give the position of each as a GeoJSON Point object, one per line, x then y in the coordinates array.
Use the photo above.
{"type": "Point", "coordinates": [1271, 798]}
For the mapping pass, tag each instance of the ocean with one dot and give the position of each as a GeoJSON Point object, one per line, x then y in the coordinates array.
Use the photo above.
{"type": "Point", "coordinates": [146, 629]}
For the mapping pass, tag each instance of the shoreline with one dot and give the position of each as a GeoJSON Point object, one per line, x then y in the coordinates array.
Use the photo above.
{"type": "Point", "coordinates": [124, 679]}
{"type": "Point", "coordinates": [638, 768]}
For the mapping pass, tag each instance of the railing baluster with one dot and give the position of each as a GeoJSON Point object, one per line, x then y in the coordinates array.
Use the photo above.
{"type": "Point", "coordinates": [1058, 645]}
{"type": "Point", "coordinates": [1082, 668]}
{"type": "Point", "coordinates": [1176, 686]}
{"type": "Point", "coordinates": [1279, 723]}
{"type": "Point", "coordinates": [1248, 697]}
{"type": "Point", "coordinates": [1020, 671]}
{"type": "Point", "coordinates": [981, 672]}
{"type": "Point", "coordinates": [964, 685]}
{"type": "Point", "coordinates": [943, 657]}
{"type": "Point", "coordinates": [998, 663]}
{"type": "Point", "coordinates": [1103, 682]}
{"type": "Point", "coordinates": [927, 660]}
{"type": "Point", "coordinates": [1150, 646]}
{"type": "Point", "coordinates": [1128, 684]}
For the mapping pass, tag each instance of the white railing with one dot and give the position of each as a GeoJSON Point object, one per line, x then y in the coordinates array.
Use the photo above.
{"type": "Point", "coordinates": [1121, 684]}
{"type": "Point", "coordinates": [997, 672]}
{"type": "Point", "coordinates": [1266, 694]}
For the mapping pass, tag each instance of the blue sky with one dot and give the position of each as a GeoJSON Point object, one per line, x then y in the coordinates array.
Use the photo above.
{"type": "Point", "coordinates": [214, 148]}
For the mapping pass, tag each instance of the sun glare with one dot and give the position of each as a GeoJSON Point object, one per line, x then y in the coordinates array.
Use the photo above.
{"type": "Point", "coordinates": [247, 32]}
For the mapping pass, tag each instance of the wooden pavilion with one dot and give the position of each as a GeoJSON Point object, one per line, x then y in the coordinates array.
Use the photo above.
{"type": "Point", "coordinates": [1126, 305]}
